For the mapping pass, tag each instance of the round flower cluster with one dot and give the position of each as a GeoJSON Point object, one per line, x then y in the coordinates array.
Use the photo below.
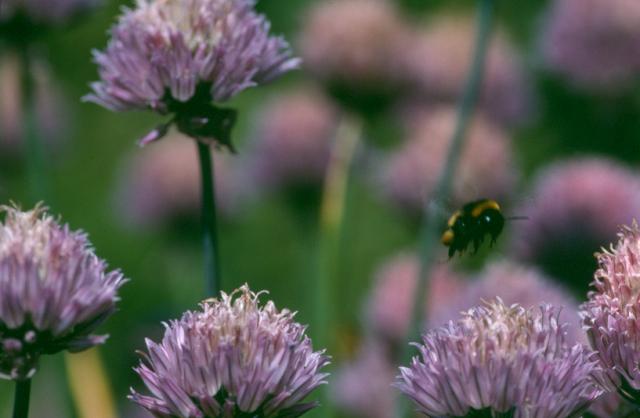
{"type": "Point", "coordinates": [576, 207]}
{"type": "Point", "coordinates": [612, 311]}
{"type": "Point", "coordinates": [233, 358]}
{"type": "Point", "coordinates": [501, 359]}
{"type": "Point", "coordinates": [175, 45]}
{"type": "Point", "coordinates": [293, 140]}
{"type": "Point", "coordinates": [180, 56]}
{"type": "Point", "coordinates": [389, 308]}
{"type": "Point", "coordinates": [594, 44]}
{"type": "Point", "coordinates": [55, 291]}
{"type": "Point", "coordinates": [354, 42]}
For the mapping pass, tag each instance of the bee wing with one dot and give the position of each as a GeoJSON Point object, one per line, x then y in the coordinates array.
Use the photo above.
{"type": "Point", "coordinates": [438, 209]}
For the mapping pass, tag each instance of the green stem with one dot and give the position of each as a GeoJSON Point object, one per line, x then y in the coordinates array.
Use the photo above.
{"type": "Point", "coordinates": [430, 224]}
{"type": "Point", "coordinates": [34, 146]}
{"type": "Point", "coordinates": [328, 292]}
{"type": "Point", "coordinates": [209, 225]}
{"type": "Point", "coordinates": [21, 399]}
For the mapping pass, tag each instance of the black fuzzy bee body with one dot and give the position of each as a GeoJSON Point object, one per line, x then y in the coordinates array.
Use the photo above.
{"type": "Point", "coordinates": [471, 224]}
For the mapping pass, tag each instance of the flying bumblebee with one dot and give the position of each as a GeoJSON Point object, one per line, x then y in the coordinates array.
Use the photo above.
{"type": "Point", "coordinates": [471, 224]}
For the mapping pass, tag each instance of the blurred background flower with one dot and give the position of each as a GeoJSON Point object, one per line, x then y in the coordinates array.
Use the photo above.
{"type": "Point", "coordinates": [574, 208]}
{"type": "Point", "coordinates": [487, 166]}
{"type": "Point", "coordinates": [592, 44]}
{"type": "Point", "coordinates": [292, 141]}
{"type": "Point", "coordinates": [389, 307]}
{"type": "Point", "coordinates": [361, 387]}
{"type": "Point", "coordinates": [52, 114]}
{"type": "Point", "coordinates": [353, 47]}
{"type": "Point", "coordinates": [437, 59]}
{"type": "Point", "coordinates": [48, 12]}
{"type": "Point", "coordinates": [161, 186]}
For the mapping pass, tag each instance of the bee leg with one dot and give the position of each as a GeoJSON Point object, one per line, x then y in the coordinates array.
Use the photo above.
{"type": "Point", "coordinates": [494, 237]}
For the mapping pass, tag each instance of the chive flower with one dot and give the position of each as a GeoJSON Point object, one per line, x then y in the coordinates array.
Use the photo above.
{"type": "Point", "coordinates": [233, 358]}
{"type": "Point", "coordinates": [178, 57]}
{"type": "Point", "coordinates": [593, 45]}
{"type": "Point", "coordinates": [54, 291]}
{"type": "Point", "coordinates": [612, 310]}
{"type": "Point", "coordinates": [498, 359]}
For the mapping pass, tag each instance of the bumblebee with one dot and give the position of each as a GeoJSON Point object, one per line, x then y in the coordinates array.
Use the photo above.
{"type": "Point", "coordinates": [471, 224]}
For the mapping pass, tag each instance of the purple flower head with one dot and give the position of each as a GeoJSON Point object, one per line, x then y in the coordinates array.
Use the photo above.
{"type": "Point", "coordinates": [593, 44]}
{"type": "Point", "coordinates": [49, 12]}
{"type": "Point", "coordinates": [54, 291]}
{"type": "Point", "coordinates": [230, 359]}
{"type": "Point", "coordinates": [612, 313]}
{"type": "Point", "coordinates": [500, 359]}
{"type": "Point", "coordinates": [293, 140]}
{"type": "Point", "coordinates": [179, 56]}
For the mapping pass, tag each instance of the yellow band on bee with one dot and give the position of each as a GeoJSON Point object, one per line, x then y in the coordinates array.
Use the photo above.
{"type": "Point", "coordinates": [452, 220]}
{"type": "Point", "coordinates": [447, 237]}
{"type": "Point", "coordinates": [482, 206]}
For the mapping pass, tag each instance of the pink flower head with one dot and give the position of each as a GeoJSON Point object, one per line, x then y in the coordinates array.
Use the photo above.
{"type": "Point", "coordinates": [438, 60]}
{"type": "Point", "coordinates": [575, 208]}
{"type": "Point", "coordinates": [54, 291]}
{"type": "Point", "coordinates": [612, 313]}
{"type": "Point", "coordinates": [389, 309]}
{"type": "Point", "coordinates": [501, 359]}
{"type": "Point", "coordinates": [163, 184]}
{"type": "Point", "coordinates": [179, 56]}
{"type": "Point", "coordinates": [354, 42]}
{"type": "Point", "coordinates": [232, 358]}
{"type": "Point", "coordinates": [293, 140]}
{"type": "Point", "coordinates": [594, 44]}
{"type": "Point", "coordinates": [45, 11]}
{"type": "Point", "coordinates": [362, 387]}
{"type": "Point", "coordinates": [486, 167]}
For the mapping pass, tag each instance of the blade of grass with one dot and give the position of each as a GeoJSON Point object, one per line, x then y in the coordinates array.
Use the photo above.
{"type": "Point", "coordinates": [332, 216]}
